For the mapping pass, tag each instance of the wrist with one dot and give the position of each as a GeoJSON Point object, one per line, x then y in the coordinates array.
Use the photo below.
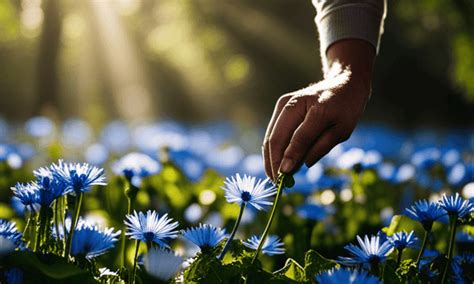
{"type": "Point", "coordinates": [355, 54]}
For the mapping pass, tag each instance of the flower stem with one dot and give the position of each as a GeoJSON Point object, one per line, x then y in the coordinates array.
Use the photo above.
{"type": "Point", "coordinates": [423, 247]}
{"type": "Point", "coordinates": [28, 221]}
{"type": "Point", "coordinates": [399, 256]}
{"type": "Point", "coordinates": [270, 220]}
{"type": "Point", "coordinates": [77, 209]}
{"type": "Point", "coordinates": [135, 258]}
{"type": "Point", "coordinates": [453, 223]}
{"type": "Point", "coordinates": [234, 230]}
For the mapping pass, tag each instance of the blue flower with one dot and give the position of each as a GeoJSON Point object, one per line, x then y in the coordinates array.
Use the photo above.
{"type": "Point", "coordinates": [272, 245]}
{"type": "Point", "coordinates": [78, 177]}
{"type": "Point", "coordinates": [161, 263]}
{"type": "Point", "coordinates": [9, 231]}
{"type": "Point", "coordinates": [14, 276]}
{"type": "Point", "coordinates": [402, 240]}
{"type": "Point", "coordinates": [28, 194]}
{"type": "Point", "coordinates": [151, 227]}
{"type": "Point", "coordinates": [205, 236]}
{"type": "Point", "coordinates": [370, 251]}
{"type": "Point", "coordinates": [459, 265]}
{"type": "Point", "coordinates": [456, 205]}
{"type": "Point", "coordinates": [90, 241]}
{"type": "Point", "coordinates": [248, 190]}
{"type": "Point", "coordinates": [344, 275]}
{"type": "Point", "coordinates": [425, 212]}
{"type": "Point", "coordinates": [135, 166]}
{"type": "Point", "coordinates": [313, 212]}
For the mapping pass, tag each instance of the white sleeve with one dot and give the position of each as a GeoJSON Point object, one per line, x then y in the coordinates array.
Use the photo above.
{"type": "Point", "coordinates": [344, 19]}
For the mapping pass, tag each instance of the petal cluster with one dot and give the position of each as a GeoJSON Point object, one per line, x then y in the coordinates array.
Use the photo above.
{"type": "Point", "coordinates": [402, 240]}
{"type": "Point", "coordinates": [205, 236]}
{"type": "Point", "coordinates": [248, 190]}
{"type": "Point", "coordinates": [456, 205]}
{"type": "Point", "coordinates": [370, 250]}
{"type": "Point", "coordinates": [161, 263]}
{"type": "Point", "coordinates": [90, 241]}
{"type": "Point", "coordinates": [135, 166]}
{"type": "Point", "coordinates": [425, 212]}
{"type": "Point", "coordinates": [78, 177]}
{"type": "Point", "coordinates": [150, 227]}
{"type": "Point", "coordinates": [272, 245]}
{"type": "Point", "coordinates": [344, 275]}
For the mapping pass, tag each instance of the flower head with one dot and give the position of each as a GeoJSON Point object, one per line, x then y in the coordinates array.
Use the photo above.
{"type": "Point", "coordinates": [135, 166]}
{"type": "Point", "coordinates": [151, 227]}
{"type": "Point", "coordinates": [78, 177]}
{"type": "Point", "coordinates": [248, 190]}
{"type": "Point", "coordinates": [272, 245]}
{"type": "Point", "coordinates": [370, 251]}
{"type": "Point", "coordinates": [456, 205]}
{"type": "Point", "coordinates": [9, 231]}
{"type": "Point", "coordinates": [205, 236]}
{"type": "Point", "coordinates": [28, 194]}
{"type": "Point", "coordinates": [402, 240]}
{"type": "Point", "coordinates": [162, 263]}
{"type": "Point", "coordinates": [90, 241]}
{"type": "Point", "coordinates": [425, 212]}
{"type": "Point", "coordinates": [344, 275]}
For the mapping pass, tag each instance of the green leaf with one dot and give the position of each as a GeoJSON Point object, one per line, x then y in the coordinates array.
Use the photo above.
{"type": "Point", "coordinates": [316, 263]}
{"type": "Point", "coordinates": [407, 271]}
{"type": "Point", "coordinates": [292, 270]}
{"type": "Point", "coordinates": [53, 266]}
{"type": "Point", "coordinates": [393, 227]}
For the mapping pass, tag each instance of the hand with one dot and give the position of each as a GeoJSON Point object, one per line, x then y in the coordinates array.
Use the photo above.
{"type": "Point", "coordinates": [308, 123]}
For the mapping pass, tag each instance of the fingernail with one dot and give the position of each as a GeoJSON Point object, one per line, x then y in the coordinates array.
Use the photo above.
{"type": "Point", "coordinates": [287, 165]}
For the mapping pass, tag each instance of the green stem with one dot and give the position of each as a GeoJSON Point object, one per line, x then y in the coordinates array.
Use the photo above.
{"type": "Point", "coordinates": [57, 217]}
{"type": "Point", "coordinates": [123, 240]}
{"type": "Point", "coordinates": [423, 247]}
{"type": "Point", "coordinates": [134, 273]}
{"type": "Point", "coordinates": [234, 230]}
{"type": "Point", "coordinates": [43, 219]}
{"type": "Point", "coordinates": [399, 257]}
{"type": "Point", "coordinates": [77, 209]}
{"type": "Point", "coordinates": [270, 220]}
{"type": "Point", "coordinates": [453, 223]}
{"type": "Point", "coordinates": [28, 221]}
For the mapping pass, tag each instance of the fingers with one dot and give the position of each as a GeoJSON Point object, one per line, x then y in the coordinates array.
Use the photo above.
{"type": "Point", "coordinates": [289, 120]}
{"type": "Point", "coordinates": [266, 147]}
{"type": "Point", "coordinates": [303, 139]}
{"type": "Point", "coordinates": [328, 140]}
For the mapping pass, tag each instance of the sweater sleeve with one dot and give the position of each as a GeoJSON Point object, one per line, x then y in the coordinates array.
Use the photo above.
{"type": "Point", "coordinates": [343, 19]}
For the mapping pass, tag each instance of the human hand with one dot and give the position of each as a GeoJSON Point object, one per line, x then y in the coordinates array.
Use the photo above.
{"type": "Point", "coordinates": [308, 123]}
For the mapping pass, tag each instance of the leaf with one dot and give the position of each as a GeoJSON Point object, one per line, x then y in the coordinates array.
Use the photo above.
{"type": "Point", "coordinates": [407, 271]}
{"type": "Point", "coordinates": [316, 263]}
{"type": "Point", "coordinates": [393, 227]}
{"type": "Point", "coordinates": [292, 270]}
{"type": "Point", "coordinates": [53, 266]}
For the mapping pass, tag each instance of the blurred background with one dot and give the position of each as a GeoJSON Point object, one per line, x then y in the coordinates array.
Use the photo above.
{"type": "Point", "coordinates": [200, 61]}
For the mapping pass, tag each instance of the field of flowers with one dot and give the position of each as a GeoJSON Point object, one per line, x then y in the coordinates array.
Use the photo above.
{"type": "Point", "coordinates": [173, 203]}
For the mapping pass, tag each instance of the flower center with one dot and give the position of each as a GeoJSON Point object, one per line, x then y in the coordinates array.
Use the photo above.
{"type": "Point", "coordinates": [149, 236]}
{"type": "Point", "coordinates": [246, 196]}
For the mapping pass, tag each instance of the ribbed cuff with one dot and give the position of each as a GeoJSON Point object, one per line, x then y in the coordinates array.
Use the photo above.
{"type": "Point", "coordinates": [357, 21]}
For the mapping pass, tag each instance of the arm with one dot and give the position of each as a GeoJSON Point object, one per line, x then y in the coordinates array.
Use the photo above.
{"type": "Point", "coordinates": [308, 123]}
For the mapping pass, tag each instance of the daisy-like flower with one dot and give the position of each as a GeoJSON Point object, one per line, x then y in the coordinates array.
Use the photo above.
{"type": "Point", "coordinates": [272, 245]}
{"type": "Point", "coordinates": [248, 190]}
{"type": "Point", "coordinates": [205, 236]}
{"type": "Point", "coordinates": [135, 166]}
{"type": "Point", "coordinates": [90, 241]}
{"type": "Point", "coordinates": [151, 227]}
{"type": "Point", "coordinates": [344, 275]}
{"type": "Point", "coordinates": [78, 177]}
{"type": "Point", "coordinates": [402, 240]}
{"type": "Point", "coordinates": [162, 263]}
{"type": "Point", "coordinates": [28, 194]}
{"type": "Point", "coordinates": [456, 205]}
{"type": "Point", "coordinates": [369, 252]}
{"type": "Point", "coordinates": [425, 212]}
{"type": "Point", "coordinates": [9, 231]}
